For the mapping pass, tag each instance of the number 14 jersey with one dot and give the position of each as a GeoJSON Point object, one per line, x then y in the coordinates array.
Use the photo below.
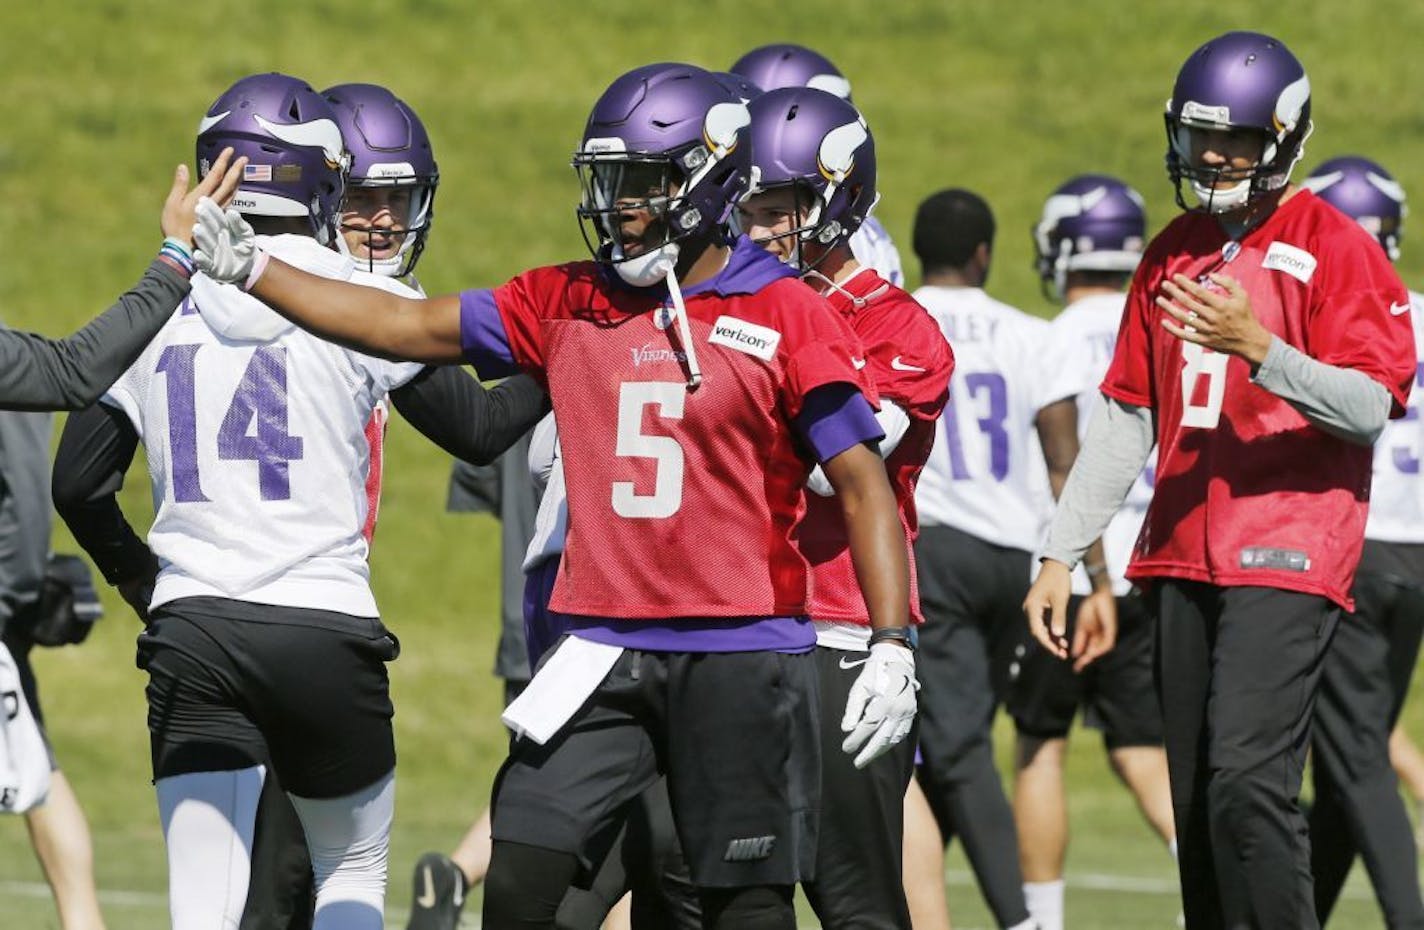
{"type": "Point", "coordinates": [1248, 492]}
{"type": "Point", "coordinates": [257, 447]}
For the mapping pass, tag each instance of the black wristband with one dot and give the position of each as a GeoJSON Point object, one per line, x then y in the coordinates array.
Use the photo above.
{"type": "Point", "coordinates": [907, 636]}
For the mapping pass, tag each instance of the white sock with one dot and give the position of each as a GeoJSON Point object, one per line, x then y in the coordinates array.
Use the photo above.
{"type": "Point", "coordinates": [349, 840]}
{"type": "Point", "coordinates": [1045, 903]}
{"type": "Point", "coordinates": [1025, 925]}
{"type": "Point", "coordinates": [207, 822]}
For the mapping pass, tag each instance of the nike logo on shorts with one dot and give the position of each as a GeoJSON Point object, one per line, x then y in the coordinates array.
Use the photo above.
{"type": "Point", "coordinates": [898, 365]}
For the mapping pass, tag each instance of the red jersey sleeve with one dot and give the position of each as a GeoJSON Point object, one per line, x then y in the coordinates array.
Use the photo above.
{"type": "Point", "coordinates": [1360, 314]}
{"type": "Point", "coordinates": [1130, 374]}
{"type": "Point", "coordinates": [524, 302]}
{"type": "Point", "coordinates": [910, 361]}
{"type": "Point", "coordinates": [817, 347]}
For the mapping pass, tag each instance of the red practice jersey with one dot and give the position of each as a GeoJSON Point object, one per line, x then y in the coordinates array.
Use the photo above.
{"type": "Point", "coordinates": [910, 363]}
{"type": "Point", "coordinates": [1247, 491]}
{"type": "Point", "coordinates": [682, 503]}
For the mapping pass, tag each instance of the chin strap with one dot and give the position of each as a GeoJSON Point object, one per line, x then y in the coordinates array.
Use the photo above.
{"type": "Point", "coordinates": [684, 330]}
{"type": "Point", "coordinates": [858, 302]}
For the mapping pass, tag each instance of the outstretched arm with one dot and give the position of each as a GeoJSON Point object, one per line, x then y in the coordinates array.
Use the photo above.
{"type": "Point", "coordinates": [454, 411]}
{"type": "Point", "coordinates": [37, 373]}
{"type": "Point", "coordinates": [366, 319]}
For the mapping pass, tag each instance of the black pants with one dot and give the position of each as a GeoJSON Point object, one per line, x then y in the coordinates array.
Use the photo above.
{"type": "Point", "coordinates": [972, 594]}
{"type": "Point", "coordinates": [1237, 672]}
{"type": "Point", "coordinates": [1357, 804]}
{"type": "Point", "coordinates": [859, 856]}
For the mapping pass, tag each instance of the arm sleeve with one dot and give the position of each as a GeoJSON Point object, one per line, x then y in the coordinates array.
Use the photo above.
{"type": "Point", "coordinates": [473, 488]}
{"type": "Point", "coordinates": [894, 423]}
{"type": "Point", "coordinates": [1344, 402]}
{"type": "Point", "coordinates": [1119, 439]}
{"type": "Point", "coordinates": [37, 373]}
{"type": "Point", "coordinates": [95, 450]}
{"type": "Point", "coordinates": [835, 417]}
{"type": "Point", "coordinates": [25, 513]}
{"type": "Point", "coordinates": [455, 412]}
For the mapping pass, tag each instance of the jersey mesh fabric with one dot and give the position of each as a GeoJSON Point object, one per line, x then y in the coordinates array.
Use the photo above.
{"type": "Point", "coordinates": [685, 500]}
{"type": "Point", "coordinates": [1247, 491]}
{"type": "Point", "coordinates": [910, 363]}
{"type": "Point", "coordinates": [258, 459]}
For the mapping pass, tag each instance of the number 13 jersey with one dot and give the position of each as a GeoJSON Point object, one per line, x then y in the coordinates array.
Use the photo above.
{"type": "Point", "coordinates": [257, 447]}
{"type": "Point", "coordinates": [1248, 492]}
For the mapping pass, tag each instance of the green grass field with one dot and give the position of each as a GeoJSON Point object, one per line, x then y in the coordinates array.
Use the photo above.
{"type": "Point", "coordinates": [100, 100]}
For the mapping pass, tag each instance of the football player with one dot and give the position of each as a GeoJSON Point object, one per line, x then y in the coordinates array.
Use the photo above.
{"type": "Point", "coordinates": [1366, 676]}
{"type": "Point", "coordinates": [1088, 242]}
{"type": "Point", "coordinates": [1265, 343]}
{"type": "Point", "coordinates": [979, 524]}
{"type": "Point", "coordinates": [772, 67]}
{"type": "Point", "coordinates": [705, 382]}
{"type": "Point", "coordinates": [814, 160]}
{"type": "Point", "coordinates": [263, 643]}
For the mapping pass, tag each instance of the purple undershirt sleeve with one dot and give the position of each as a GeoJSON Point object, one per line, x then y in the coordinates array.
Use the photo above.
{"type": "Point", "coordinates": [835, 417]}
{"type": "Point", "coordinates": [482, 336]}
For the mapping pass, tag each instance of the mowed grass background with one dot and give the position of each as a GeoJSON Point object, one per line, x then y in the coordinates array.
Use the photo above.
{"type": "Point", "coordinates": [98, 101]}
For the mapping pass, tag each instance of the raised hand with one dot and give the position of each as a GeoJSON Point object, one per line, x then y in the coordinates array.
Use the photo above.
{"type": "Point", "coordinates": [220, 183]}
{"type": "Point", "coordinates": [227, 247]}
{"type": "Point", "coordinates": [1219, 319]}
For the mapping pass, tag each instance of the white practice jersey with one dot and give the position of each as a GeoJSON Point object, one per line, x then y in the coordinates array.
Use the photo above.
{"type": "Point", "coordinates": [982, 475]}
{"type": "Point", "coordinates": [257, 449]}
{"type": "Point", "coordinates": [551, 523]}
{"type": "Point", "coordinates": [872, 246]}
{"type": "Point", "coordinates": [1397, 494]}
{"type": "Point", "coordinates": [1083, 338]}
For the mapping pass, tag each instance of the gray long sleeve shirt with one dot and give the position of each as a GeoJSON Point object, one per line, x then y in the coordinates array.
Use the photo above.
{"type": "Point", "coordinates": [1345, 403]}
{"type": "Point", "coordinates": [38, 373]}
{"type": "Point", "coordinates": [24, 509]}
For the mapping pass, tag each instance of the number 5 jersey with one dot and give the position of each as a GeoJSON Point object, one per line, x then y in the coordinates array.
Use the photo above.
{"type": "Point", "coordinates": [1248, 492]}
{"type": "Point", "coordinates": [255, 433]}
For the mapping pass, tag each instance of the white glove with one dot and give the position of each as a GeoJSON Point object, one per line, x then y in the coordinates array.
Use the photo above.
{"type": "Point", "coordinates": [881, 706]}
{"type": "Point", "coordinates": [227, 247]}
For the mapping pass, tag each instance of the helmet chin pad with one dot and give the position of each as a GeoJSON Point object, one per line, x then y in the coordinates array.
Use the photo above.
{"type": "Point", "coordinates": [650, 268]}
{"type": "Point", "coordinates": [1218, 200]}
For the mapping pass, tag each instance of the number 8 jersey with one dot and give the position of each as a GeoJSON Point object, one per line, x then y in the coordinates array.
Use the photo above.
{"type": "Point", "coordinates": [257, 447]}
{"type": "Point", "coordinates": [1248, 492]}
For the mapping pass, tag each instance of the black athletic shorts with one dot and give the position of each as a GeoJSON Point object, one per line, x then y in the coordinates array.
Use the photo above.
{"type": "Point", "coordinates": [232, 684]}
{"type": "Point", "coordinates": [735, 733]}
{"type": "Point", "coordinates": [1116, 691]}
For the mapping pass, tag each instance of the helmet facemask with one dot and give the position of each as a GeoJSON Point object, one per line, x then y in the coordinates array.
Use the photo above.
{"type": "Point", "coordinates": [1270, 171]}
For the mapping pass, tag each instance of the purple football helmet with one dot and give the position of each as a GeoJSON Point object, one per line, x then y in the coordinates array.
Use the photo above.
{"type": "Point", "coordinates": [296, 162]}
{"type": "Point", "coordinates": [389, 149]}
{"type": "Point", "coordinates": [817, 144]}
{"type": "Point", "coordinates": [786, 65]}
{"type": "Point", "coordinates": [1238, 81]}
{"type": "Point", "coordinates": [1090, 223]}
{"type": "Point", "coordinates": [1366, 193]}
{"type": "Point", "coordinates": [668, 139]}
{"type": "Point", "coordinates": [744, 89]}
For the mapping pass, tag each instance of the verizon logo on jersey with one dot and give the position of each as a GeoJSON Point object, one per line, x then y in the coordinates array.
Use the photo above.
{"type": "Point", "coordinates": [749, 849]}
{"type": "Point", "coordinates": [1298, 263]}
{"type": "Point", "coordinates": [750, 338]}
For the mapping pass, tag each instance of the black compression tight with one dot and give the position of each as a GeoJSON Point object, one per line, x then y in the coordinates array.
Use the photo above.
{"type": "Point", "coordinates": [525, 885]}
{"type": "Point", "coordinates": [763, 907]}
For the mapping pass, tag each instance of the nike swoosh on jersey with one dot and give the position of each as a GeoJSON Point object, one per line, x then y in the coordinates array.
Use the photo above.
{"type": "Point", "coordinates": [898, 365]}
{"type": "Point", "coordinates": [208, 122]}
{"type": "Point", "coordinates": [859, 363]}
{"type": "Point", "coordinates": [848, 665]}
{"type": "Point", "coordinates": [427, 897]}
{"type": "Point", "coordinates": [1399, 309]}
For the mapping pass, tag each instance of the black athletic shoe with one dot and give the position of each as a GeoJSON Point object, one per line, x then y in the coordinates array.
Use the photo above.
{"type": "Point", "coordinates": [437, 894]}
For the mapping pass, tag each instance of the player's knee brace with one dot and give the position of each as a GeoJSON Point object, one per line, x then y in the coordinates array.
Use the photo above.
{"type": "Point", "coordinates": [764, 907]}
{"type": "Point", "coordinates": [349, 840]}
{"type": "Point", "coordinates": [525, 884]}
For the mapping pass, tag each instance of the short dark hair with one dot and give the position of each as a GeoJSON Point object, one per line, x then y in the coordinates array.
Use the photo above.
{"type": "Point", "coordinates": [949, 226]}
